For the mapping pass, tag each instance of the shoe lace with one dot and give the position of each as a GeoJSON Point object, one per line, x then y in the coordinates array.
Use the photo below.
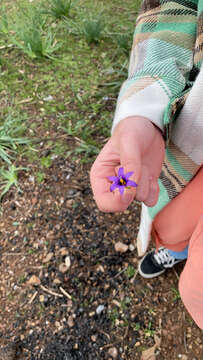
{"type": "Point", "coordinates": [164, 258]}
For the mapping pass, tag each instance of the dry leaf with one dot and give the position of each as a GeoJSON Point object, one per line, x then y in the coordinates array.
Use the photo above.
{"type": "Point", "coordinates": [34, 280]}
{"type": "Point", "coordinates": [149, 354]}
{"type": "Point", "coordinates": [48, 257]}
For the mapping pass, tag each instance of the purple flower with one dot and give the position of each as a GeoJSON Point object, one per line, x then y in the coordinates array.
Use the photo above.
{"type": "Point", "coordinates": [121, 181]}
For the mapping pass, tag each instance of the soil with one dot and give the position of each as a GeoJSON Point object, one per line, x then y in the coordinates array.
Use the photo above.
{"type": "Point", "coordinates": [67, 294]}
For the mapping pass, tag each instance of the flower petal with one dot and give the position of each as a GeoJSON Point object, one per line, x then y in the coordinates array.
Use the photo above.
{"type": "Point", "coordinates": [131, 183]}
{"type": "Point", "coordinates": [114, 187]}
{"type": "Point", "coordinates": [120, 172]}
{"type": "Point", "coordinates": [121, 189]}
{"type": "Point", "coordinates": [129, 174]}
{"type": "Point", "coordinates": [113, 178]}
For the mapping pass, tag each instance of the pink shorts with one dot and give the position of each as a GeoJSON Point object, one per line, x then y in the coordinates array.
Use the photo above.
{"type": "Point", "coordinates": [179, 224]}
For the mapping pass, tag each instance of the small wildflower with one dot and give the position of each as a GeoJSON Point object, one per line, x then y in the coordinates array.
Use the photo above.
{"type": "Point", "coordinates": [122, 181]}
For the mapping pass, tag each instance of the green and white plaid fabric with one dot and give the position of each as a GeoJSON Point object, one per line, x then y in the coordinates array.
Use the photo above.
{"type": "Point", "coordinates": [165, 84]}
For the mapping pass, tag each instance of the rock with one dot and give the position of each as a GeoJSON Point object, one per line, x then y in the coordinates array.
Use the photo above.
{"type": "Point", "coordinates": [48, 98]}
{"type": "Point", "coordinates": [57, 281]}
{"type": "Point", "coordinates": [131, 247]}
{"type": "Point", "coordinates": [70, 321]}
{"type": "Point", "coordinates": [67, 262]}
{"type": "Point", "coordinates": [63, 251]}
{"type": "Point", "coordinates": [121, 247]}
{"type": "Point", "coordinates": [41, 298]}
{"type": "Point", "coordinates": [113, 352]}
{"type": "Point", "coordinates": [34, 280]}
{"type": "Point", "coordinates": [63, 268]}
{"type": "Point", "coordinates": [48, 257]}
{"type": "Point", "coordinates": [100, 309]}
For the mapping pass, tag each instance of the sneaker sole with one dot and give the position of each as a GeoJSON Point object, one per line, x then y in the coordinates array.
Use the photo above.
{"type": "Point", "coordinates": [149, 276]}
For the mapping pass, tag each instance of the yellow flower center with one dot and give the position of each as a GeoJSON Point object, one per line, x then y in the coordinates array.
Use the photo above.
{"type": "Point", "coordinates": [122, 181]}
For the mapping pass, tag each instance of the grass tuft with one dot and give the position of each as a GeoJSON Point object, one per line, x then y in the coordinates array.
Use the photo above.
{"type": "Point", "coordinates": [59, 8]}
{"type": "Point", "coordinates": [9, 178]}
{"type": "Point", "coordinates": [31, 34]}
{"type": "Point", "coordinates": [9, 139]}
{"type": "Point", "coordinates": [90, 28]}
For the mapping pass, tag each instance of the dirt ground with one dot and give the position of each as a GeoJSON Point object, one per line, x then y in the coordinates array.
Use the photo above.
{"type": "Point", "coordinates": [67, 294]}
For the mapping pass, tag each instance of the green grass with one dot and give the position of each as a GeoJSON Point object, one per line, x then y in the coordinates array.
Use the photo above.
{"type": "Point", "coordinates": [76, 56]}
{"type": "Point", "coordinates": [9, 178]}
{"type": "Point", "coordinates": [59, 9]}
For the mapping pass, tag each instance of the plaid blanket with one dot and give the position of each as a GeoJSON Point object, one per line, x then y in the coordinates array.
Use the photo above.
{"type": "Point", "coordinates": [165, 84]}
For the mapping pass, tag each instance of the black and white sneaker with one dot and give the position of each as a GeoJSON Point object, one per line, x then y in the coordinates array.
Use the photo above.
{"type": "Point", "coordinates": [155, 263]}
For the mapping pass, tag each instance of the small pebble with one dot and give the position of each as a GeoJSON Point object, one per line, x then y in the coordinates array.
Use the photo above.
{"type": "Point", "coordinates": [113, 352]}
{"type": "Point", "coordinates": [121, 247]}
{"type": "Point", "coordinates": [48, 98]}
{"type": "Point", "coordinates": [63, 268]}
{"type": "Point", "coordinates": [100, 309]}
{"type": "Point", "coordinates": [57, 281]}
{"type": "Point", "coordinates": [34, 280]}
{"type": "Point", "coordinates": [131, 247]}
{"type": "Point", "coordinates": [67, 262]}
{"type": "Point", "coordinates": [94, 338]}
{"type": "Point", "coordinates": [70, 321]}
{"type": "Point", "coordinates": [63, 251]}
{"type": "Point", "coordinates": [48, 257]}
{"type": "Point", "coordinates": [41, 298]}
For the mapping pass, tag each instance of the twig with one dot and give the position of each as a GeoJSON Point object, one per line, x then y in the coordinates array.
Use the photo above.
{"type": "Point", "coordinates": [104, 333]}
{"type": "Point", "coordinates": [6, 46]}
{"type": "Point", "coordinates": [51, 138]}
{"type": "Point", "coordinates": [126, 333]}
{"type": "Point", "coordinates": [11, 254]}
{"type": "Point", "coordinates": [24, 101]}
{"type": "Point", "coordinates": [176, 274]}
{"type": "Point", "coordinates": [185, 341]}
{"type": "Point", "coordinates": [65, 293]}
{"type": "Point", "coordinates": [33, 297]}
{"type": "Point", "coordinates": [111, 345]}
{"type": "Point", "coordinates": [119, 273]}
{"type": "Point", "coordinates": [184, 334]}
{"type": "Point", "coordinates": [50, 291]}
{"type": "Point", "coordinates": [133, 279]}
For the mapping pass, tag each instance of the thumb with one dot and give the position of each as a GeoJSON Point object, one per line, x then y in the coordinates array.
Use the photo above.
{"type": "Point", "coordinates": [130, 159]}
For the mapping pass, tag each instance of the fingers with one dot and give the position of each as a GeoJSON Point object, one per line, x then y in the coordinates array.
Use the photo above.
{"type": "Point", "coordinates": [106, 200]}
{"type": "Point", "coordinates": [104, 166]}
{"type": "Point", "coordinates": [137, 151]}
{"type": "Point", "coordinates": [143, 188]}
{"type": "Point", "coordinates": [131, 162]}
{"type": "Point", "coordinates": [153, 194]}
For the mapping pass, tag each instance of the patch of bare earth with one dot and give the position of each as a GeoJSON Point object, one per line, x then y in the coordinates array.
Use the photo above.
{"type": "Point", "coordinates": [65, 291]}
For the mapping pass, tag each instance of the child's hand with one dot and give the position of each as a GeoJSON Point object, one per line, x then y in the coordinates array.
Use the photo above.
{"type": "Point", "coordinates": [138, 146]}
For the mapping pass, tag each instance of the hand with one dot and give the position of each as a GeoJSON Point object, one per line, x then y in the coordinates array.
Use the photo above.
{"type": "Point", "coordinates": [138, 146]}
